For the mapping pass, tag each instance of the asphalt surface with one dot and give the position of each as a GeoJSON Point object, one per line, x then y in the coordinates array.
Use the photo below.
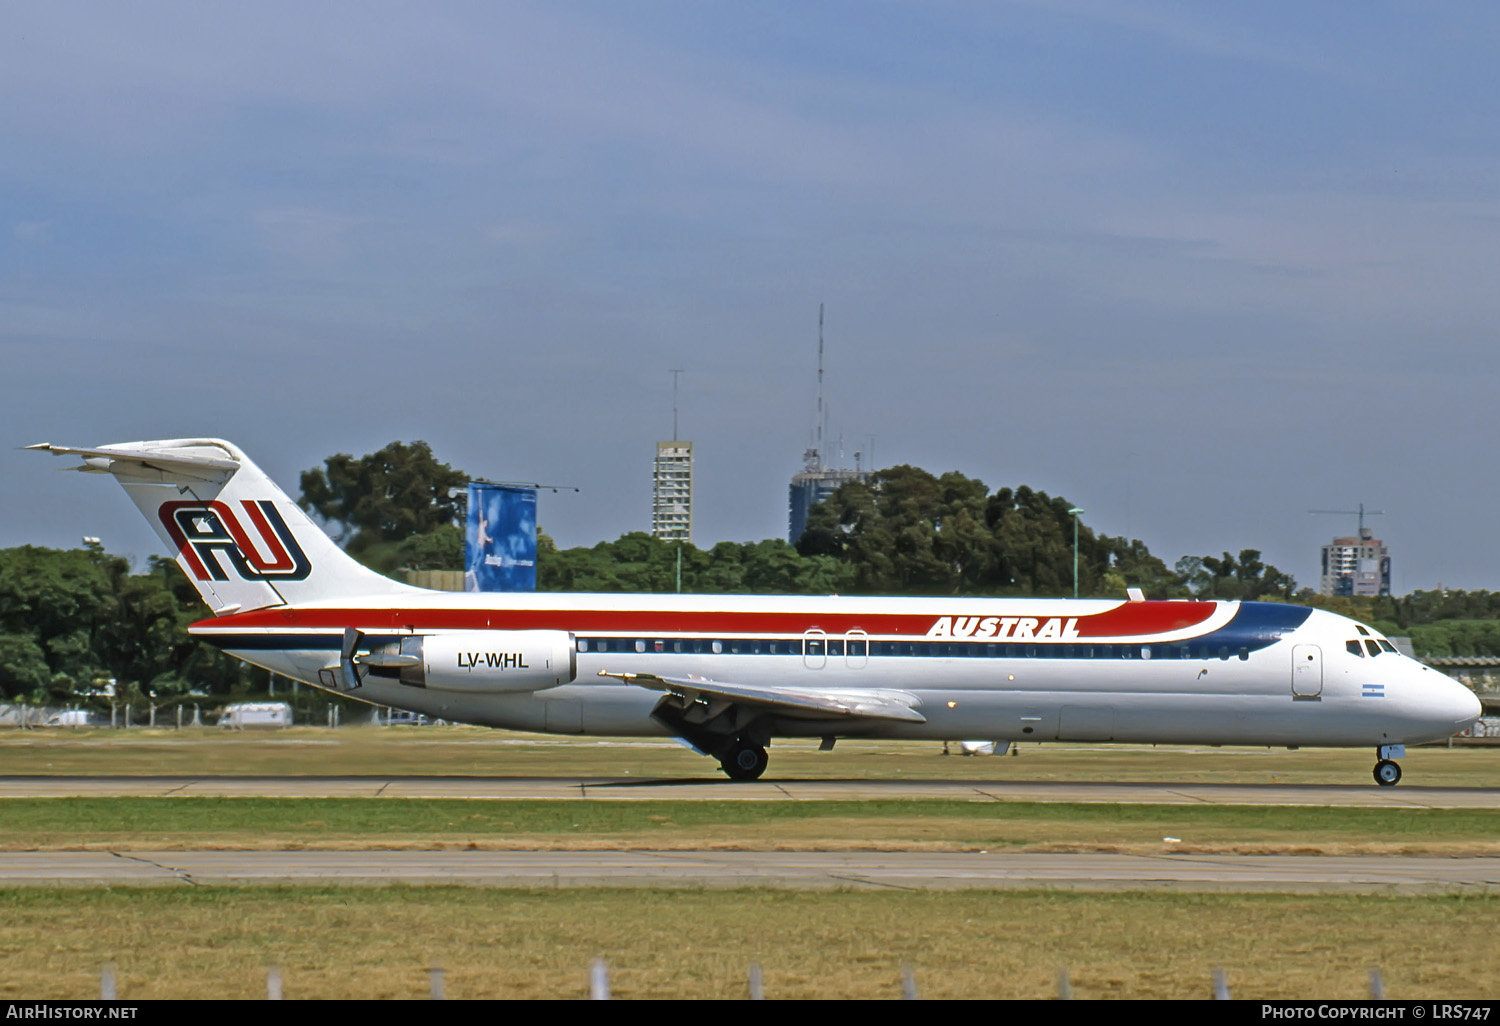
{"type": "Point", "coordinates": [814, 870]}
{"type": "Point", "coordinates": [862, 870]}
{"type": "Point", "coordinates": [721, 789]}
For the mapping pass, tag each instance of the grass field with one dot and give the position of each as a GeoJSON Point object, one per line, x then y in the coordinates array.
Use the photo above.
{"type": "Point", "coordinates": [303, 751]}
{"type": "Point", "coordinates": [334, 942]}
{"type": "Point", "coordinates": [379, 943]}
{"type": "Point", "coordinates": [928, 825]}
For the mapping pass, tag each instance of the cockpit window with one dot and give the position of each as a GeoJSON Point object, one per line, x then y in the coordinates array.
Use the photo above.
{"type": "Point", "coordinates": [1387, 646]}
{"type": "Point", "coordinates": [1354, 649]}
{"type": "Point", "coordinates": [1372, 647]}
{"type": "Point", "coordinates": [1361, 630]}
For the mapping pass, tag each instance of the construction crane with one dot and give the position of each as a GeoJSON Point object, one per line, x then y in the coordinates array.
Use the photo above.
{"type": "Point", "coordinates": [1361, 513]}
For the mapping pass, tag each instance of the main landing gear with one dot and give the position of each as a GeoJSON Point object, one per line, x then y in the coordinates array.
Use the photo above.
{"type": "Point", "coordinates": [744, 760]}
{"type": "Point", "coordinates": [1387, 773]}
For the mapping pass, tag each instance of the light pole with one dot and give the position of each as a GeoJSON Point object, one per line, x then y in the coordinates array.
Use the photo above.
{"type": "Point", "coordinates": [1074, 514]}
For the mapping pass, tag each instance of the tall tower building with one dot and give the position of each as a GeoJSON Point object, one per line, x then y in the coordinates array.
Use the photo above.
{"type": "Point", "coordinates": [1356, 566]}
{"type": "Point", "coordinates": [818, 480]}
{"type": "Point", "coordinates": [672, 492]}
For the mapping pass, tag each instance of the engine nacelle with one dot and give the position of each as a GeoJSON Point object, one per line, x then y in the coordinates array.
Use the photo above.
{"type": "Point", "coordinates": [490, 661]}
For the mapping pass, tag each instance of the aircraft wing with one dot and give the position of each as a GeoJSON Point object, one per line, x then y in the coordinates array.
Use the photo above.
{"type": "Point", "coordinates": [877, 704]}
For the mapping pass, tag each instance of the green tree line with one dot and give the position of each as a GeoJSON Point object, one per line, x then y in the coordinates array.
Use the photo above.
{"type": "Point", "coordinates": [72, 619]}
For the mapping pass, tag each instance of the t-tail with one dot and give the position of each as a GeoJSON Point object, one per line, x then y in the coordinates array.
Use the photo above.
{"type": "Point", "coordinates": [241, 541]}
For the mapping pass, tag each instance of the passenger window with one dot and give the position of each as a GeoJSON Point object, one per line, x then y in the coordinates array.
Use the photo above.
{"type": "Point", "coordinates": [718, 647]}
{"type": "Point", "coordinates": [1354, 649]}
{"type": "Point", "coordinates": [640, 646]}
{"type": "Point", "coordinates": [583, 644]}
{"type": "Point", "coordinates": [1371, 647]}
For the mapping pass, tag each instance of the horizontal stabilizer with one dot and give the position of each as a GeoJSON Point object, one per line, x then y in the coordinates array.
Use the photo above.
{"type": "Point", "coordinates": [189, 465]}
{"type": "Point", "coordinates": [878, 704]}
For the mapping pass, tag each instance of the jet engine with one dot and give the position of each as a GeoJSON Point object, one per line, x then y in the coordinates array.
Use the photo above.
{"type": "Point", "coordinates": [479, 661]}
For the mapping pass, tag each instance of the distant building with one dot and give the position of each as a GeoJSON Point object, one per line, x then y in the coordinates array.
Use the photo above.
{"type": "Point", "coordinates": [811, 487]}
{"type": "Point", "coordinates": [672, 492]}
{"type": "Point", "coordinates": [818, 480]}
{"type": "Point", "coordinates": [1356, 566]}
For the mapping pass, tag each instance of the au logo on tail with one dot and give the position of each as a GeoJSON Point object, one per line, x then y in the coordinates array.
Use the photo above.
{"type": "Point", "coordinates": [203, 530]}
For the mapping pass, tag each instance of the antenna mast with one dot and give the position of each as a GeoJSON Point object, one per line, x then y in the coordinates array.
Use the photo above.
{"type": "Point", "coordinates": [676, 376]}
{"type": "Point", "coordinates": [821, 417]}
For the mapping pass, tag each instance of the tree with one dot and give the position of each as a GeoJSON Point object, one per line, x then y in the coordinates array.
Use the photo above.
{"type": "Point", "coordinates": [70, 618]}
{"type": "Point", "coordinates": [906, 532]}
{"type": "Point", "coordinates": [385, 497]}
{"type": "Point", "coordinates": [1245, 578]}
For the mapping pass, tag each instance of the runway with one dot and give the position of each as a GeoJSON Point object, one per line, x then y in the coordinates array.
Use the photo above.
{"type": "Point", "coordinates": [720, 789]}
{"type": "Point", "coordinates": [801, 870]}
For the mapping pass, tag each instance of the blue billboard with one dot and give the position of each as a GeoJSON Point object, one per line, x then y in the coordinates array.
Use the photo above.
{"type": "Point", "coordinates": [500, 539]}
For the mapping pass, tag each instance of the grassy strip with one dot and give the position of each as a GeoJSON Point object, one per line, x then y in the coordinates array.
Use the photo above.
{"type": "Point", "coordinates": [30, 823]}
{"type": "Point", "coordinates": [379, 943]}
{"type": "Point", "coordinates": [475, 750]}
{"type": "Point", "coordinates": [383, 752]}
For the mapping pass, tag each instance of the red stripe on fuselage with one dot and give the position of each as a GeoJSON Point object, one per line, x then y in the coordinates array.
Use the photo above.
{"type": "Point", "coordinates": [1129, 619]}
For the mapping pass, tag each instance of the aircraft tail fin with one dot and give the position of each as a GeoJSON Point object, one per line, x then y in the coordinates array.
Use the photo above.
{"type": "Point", "coordinates": [241, 541]}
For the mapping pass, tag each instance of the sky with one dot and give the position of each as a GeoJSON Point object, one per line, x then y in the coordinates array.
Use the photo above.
{"type": "Point", "coordinates": [1198, 268]}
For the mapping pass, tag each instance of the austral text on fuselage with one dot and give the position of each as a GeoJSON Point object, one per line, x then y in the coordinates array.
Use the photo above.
{"type": "Point", "coordinates": [1018, 627]}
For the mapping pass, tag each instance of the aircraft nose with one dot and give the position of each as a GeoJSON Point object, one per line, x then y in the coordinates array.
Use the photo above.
{"type": "Point", "coordinates": [1468, 706]}
{"type": "Point", "coordinates": [1459, 703]}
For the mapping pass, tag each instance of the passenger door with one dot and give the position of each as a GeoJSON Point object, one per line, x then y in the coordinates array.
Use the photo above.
{"type": "Point", "coordinates": [1307, 672]}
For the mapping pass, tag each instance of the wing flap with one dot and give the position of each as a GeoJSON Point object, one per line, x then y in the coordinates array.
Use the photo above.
{"type": "Point", "coordinates": [877, 704]}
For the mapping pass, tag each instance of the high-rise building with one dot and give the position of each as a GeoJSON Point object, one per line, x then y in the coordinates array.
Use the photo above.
{"type": "Point", "coordinates": [672, 492]}
{"type": "Point", "coordinates": [1356, 566]}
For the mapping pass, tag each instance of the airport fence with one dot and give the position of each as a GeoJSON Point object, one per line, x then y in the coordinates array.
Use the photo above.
{"type": "Point", "coordinates": [599, 988]}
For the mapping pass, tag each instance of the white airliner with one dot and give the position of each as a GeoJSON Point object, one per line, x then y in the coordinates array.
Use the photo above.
{"type": "Point", "coordinates": [728, 673]}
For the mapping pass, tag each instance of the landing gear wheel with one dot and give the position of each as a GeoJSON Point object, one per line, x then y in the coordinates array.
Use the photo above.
{"type": "Point", "coordinates": [1387, 773]}
{"type": "Point", "coordinates": [745, 761]}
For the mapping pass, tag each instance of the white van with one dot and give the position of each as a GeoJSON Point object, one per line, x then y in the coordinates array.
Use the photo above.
{"type": "Point", "coordinates": [256, 714]}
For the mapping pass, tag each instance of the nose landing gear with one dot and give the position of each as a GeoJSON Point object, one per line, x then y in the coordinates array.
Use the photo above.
{"type": "Point", "coordinates": [1387, 772]}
